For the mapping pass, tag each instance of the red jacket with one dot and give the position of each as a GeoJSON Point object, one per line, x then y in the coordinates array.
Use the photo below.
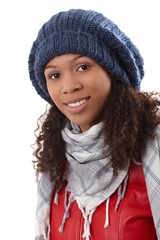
{"type": "Point", "coordinates": [133, 219]}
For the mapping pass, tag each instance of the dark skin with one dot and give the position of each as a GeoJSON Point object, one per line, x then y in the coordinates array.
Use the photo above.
{"type": "Point", "coordinates": [130, 119]}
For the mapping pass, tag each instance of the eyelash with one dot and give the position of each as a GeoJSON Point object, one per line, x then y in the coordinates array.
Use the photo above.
{"type": "Point", "coordinates": [53, 75]}
{"type": "Point", "coordinates": [84, 65]}
{"type": "Point", "coordinates": [58, 75]}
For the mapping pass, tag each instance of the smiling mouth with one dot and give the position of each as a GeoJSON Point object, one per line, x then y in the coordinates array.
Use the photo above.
{"type": "Point", "coordinates": [77, 104]}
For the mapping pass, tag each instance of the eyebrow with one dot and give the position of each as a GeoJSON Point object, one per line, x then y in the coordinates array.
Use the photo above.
{"type": "Point", "coordinates": [75, 58]}
{"type": "Point", "coordinates": [49, 66]}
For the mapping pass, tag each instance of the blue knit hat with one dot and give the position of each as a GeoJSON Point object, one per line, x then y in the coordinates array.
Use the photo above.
{"type": "Point", "coordinates": [89, 33]}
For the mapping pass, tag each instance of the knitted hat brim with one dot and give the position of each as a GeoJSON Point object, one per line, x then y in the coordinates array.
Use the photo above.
{"type": "Point", "coordinates": [78, 43]}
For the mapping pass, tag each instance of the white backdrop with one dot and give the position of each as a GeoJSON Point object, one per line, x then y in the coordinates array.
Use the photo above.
{"type": "Point", "coordinates": [20, 106]}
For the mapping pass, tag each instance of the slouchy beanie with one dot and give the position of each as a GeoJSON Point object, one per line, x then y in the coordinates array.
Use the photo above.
{"type": "Point", "coordinates": [88, 33]}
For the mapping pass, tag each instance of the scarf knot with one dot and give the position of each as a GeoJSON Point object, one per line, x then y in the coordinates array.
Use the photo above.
{"type": "Point", "coordinates": [89, 176]}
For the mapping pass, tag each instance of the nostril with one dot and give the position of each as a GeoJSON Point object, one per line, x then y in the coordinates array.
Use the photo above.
{"type": "Point", "coordinates": [71, 88]}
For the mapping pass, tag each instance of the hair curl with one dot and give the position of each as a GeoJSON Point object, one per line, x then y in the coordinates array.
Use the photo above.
{"type": "Point", "coordinates": [130, 119]}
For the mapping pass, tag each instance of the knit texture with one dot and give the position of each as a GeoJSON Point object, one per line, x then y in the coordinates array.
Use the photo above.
{"type": "Point", "coordinates": [88, 33]}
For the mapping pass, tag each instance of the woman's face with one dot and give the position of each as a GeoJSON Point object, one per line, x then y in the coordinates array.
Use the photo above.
{"type": "Point", "coordinates": [79, 87]}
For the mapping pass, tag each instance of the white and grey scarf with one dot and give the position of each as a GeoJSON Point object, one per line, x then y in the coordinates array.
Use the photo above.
{"type": "Point", "coordinates": [151, 166]}
{"type": "Point", "coordinates": [90, 174]}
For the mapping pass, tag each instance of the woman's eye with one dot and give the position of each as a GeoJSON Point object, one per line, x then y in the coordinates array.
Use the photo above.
{"type": "Point", "coordinates": [55, 75]}
{"type": "Point", "coordinates": [83, 67]}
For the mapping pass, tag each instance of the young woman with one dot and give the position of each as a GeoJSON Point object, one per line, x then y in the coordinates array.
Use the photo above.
{"type": "Point", "coordinates": [98, 143]}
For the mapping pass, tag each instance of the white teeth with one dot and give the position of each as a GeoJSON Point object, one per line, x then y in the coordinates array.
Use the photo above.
{"type": "Point", "coordinates": [77, 103]}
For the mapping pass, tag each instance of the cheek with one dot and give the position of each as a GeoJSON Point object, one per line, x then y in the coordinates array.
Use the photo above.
{"type": "Point", "coordinates": [108, 87]}
{"type": "Point", "coordinates": [104, 86]}
{"type": "Point", "coordinates": [53, 92]}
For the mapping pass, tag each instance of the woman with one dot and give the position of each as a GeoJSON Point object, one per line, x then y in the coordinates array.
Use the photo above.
{"type": "Point", "coordinates": [98, 143]}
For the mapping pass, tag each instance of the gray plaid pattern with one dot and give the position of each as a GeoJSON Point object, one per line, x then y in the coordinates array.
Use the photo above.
{"type": "Point", "coordinates": [151, 165]}
{"type": "Point", "coordinates": [90, 177]}
{"type": "Point", "coordinates": [44, 197]}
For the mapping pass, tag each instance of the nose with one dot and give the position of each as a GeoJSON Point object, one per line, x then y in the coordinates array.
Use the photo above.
{"type": "Point", "coordinates": [71, 84]}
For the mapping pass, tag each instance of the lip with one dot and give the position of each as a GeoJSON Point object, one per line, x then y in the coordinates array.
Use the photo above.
{"type": "Point", "coordinates": [75, 100]}
{"type": "Point", "coordinates": [76, 109]}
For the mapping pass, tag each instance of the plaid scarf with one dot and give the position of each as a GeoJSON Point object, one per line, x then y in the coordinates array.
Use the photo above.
{"type": "Point", "coordinates": [151, 165]}
{"type": "Point", "coordinates": [90, 175]}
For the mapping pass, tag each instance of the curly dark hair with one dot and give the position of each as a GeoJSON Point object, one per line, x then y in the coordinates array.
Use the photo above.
{"type": "Point", "coordinates": [130, 119]}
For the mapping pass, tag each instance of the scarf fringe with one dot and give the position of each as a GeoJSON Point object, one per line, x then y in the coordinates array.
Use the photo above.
{"type": "Point", "coordinates": [106, 224]}
{"type": "Point", "coordinates": [87, 215]}
{"type": "Point", "coordinates": [121, 192]}
{"type": "Point", "coordinates": [87, 222]}
{"type": "Point", "coordinates": [67, 213]}
{"type": "Point", "coordinates": [56, 198]}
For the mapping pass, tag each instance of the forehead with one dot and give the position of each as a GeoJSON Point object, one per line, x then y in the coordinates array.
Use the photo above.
{"type": "Point", "coordinates": [65, 58]}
